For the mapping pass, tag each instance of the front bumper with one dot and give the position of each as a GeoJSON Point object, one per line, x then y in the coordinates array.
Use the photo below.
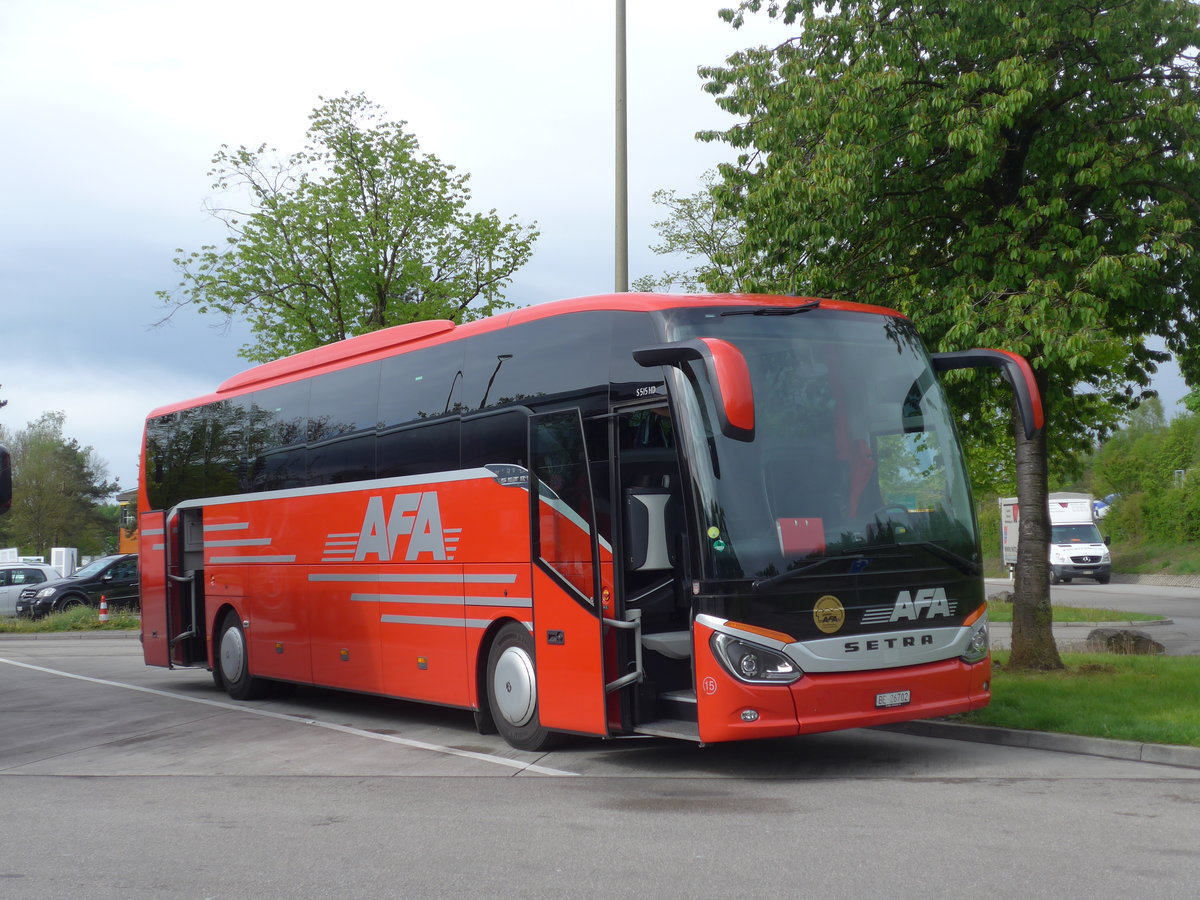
{"type": "Point", "coordinates": [729, 709]}
{"type": "Point", "coordinates": [1077, 570]}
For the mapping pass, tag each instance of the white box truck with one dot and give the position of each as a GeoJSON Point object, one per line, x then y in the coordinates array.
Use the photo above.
{"type": "Point", "coordinates": [1076, 548]}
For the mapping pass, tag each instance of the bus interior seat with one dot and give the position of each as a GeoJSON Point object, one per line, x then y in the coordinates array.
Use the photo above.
{"type": "Point", "coordinates": [671, 644]}
{"type": "Point", "coordinates": [652, 522]}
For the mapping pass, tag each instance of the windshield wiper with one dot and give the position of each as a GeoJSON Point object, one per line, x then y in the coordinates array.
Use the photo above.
{"type": "Point", "coordinates": [960, 562]}
{"type": "Point", "coordinates": [964, 565]}
{"type": "Point", "coordinates": [789, 574]}
{"type": "Point", "coordinates": [773, 310]}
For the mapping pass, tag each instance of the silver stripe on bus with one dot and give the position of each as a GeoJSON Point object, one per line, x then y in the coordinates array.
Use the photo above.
{"type": "Point", "coordinates": [216, 560]}
{"type": "Point", "coordinates": [243, 542]}
{"type": "Point", "coordinates": [445, 599]}
{"type": "Point", "coordinates": [158, 546]}
{"type": "Point", "coordinates": [434, 620]}
{"type": "Point", "coordinates": [154, 531]}
{"type": "Point", "coordinates": [417, 578]}
{"type": "Point", "coordinates": [229, 526]}
{"type": "Point", "coordinates": [500, 601]}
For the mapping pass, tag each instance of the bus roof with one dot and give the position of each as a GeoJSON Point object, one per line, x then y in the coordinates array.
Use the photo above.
{"type": "Point", "coordinates": [378, 344]}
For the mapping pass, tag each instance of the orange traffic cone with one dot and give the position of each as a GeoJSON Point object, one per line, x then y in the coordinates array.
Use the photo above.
{"type": "Point", "coordinates": [103, 609]}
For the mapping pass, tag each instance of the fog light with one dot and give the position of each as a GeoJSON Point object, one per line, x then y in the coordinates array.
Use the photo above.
{"type": "Point", "coordinates": [749, 715]}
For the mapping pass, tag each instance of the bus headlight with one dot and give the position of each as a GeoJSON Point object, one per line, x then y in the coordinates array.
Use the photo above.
{"type": "Point", "coordinates": [753, 663]}
{"type": "Point", "coordinates": [977, 647]}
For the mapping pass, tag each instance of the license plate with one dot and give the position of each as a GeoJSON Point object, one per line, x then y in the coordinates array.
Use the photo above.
{"type": "Point", "coordinates": [893, 698]}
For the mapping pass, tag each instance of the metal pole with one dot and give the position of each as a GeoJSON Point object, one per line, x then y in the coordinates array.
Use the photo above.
{"type": "Point", "coordinates": [622, 162]}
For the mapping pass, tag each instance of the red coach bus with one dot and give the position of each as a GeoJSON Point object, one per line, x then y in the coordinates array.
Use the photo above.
{"type": "Point", "coordinates": [704, 517]}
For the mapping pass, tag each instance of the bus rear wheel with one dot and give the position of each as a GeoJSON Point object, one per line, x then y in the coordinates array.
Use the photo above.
{"type": "Point", "coordinates": [512, 690]}
{"type": "Point", "coordinates": [233, 661]}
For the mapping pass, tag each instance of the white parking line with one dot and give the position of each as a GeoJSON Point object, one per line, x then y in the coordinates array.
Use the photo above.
{"type": "Point", "coordinates": [302, 720]}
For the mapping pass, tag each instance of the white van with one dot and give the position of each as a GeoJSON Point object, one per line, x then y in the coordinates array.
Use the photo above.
{"type": "Point", "coordinates": [1076, 548]}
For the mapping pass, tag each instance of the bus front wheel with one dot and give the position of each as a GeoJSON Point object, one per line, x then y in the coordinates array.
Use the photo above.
{"type": "Point", "coordinates": [512, 690]}
{"type": "Point", "coordinates": [233, 661]}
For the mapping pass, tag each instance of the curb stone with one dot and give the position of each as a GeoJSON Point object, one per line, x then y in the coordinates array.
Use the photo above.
{"type": "Point", "coordinates": [1133, 751]}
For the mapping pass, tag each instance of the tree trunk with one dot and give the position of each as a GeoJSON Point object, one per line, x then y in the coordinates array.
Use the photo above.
{"type": "Point", "coordinates": [1033, 644]}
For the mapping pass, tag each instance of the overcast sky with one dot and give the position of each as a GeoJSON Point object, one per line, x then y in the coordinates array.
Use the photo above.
{"type": "Point", "coordinates": [114, 108]}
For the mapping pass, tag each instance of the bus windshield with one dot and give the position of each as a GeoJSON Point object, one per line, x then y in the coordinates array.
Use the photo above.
{"type": "Point", "coordinates": [854, 457]}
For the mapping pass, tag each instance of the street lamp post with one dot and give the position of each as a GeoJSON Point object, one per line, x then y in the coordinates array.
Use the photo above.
{"type": "Point", "coordinates": [622, 162]}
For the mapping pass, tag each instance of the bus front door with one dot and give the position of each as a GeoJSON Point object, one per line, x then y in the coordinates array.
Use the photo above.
{"type": "Point", "coordinates": [568, 560]}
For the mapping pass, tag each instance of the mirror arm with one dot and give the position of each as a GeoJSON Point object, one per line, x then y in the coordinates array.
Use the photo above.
{"type": "Point", "coordinates": [1015, 370]}
{"type": "Point", "coordinates": [727, 373]}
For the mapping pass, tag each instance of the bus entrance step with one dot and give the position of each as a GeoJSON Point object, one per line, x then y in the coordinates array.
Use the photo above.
{"type": "Point", "coordinates": [672, 728]}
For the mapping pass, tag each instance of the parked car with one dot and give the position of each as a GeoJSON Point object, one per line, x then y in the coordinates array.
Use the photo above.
{"type": "Point", "coordinates": [113, 577]}
{"type": "Point", "coordinates": [17, 575]}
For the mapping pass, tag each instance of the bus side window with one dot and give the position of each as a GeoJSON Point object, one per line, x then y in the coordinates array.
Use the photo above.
{"type": "Point", "coordinates": [500, 437]}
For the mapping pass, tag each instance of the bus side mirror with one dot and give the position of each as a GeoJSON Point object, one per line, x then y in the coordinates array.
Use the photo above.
{"type": "Point", "coordinates": [1016, 371]}
{"type": "Point", "coordinates": [5, 481]}
{"type": "Point", "coordinates": [727, 372]}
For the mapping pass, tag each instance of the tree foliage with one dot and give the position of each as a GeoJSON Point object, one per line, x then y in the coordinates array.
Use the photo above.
{"type": "Point", "coordinates": [698, 229]}
{"type": "Point", "coordinates": [1153, 469]}
{"type": "Point", "coordinates": [1008, 174]}
{"type": "Point", "coordinates": [57, 488]}
{"type": "Point", "coordinates": [356, 232]}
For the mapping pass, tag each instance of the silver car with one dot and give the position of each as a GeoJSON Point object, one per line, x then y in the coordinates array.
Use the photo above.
{"type": "Point", "coordinates": [17, 575]}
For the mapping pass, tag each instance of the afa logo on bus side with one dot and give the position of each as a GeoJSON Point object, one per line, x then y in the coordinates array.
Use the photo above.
{"type": "Point", "coordinates": [417, 516]}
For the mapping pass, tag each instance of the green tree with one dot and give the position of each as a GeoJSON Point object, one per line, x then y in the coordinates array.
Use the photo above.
{"type": "Point", "coordinates": [696, 228]}
{"type": "Point", "coordinates": [356, 232]}
{"type": "Point", "coordinates": [57, 488]}
{"type": "Point", "coordinates": [1008, 174]}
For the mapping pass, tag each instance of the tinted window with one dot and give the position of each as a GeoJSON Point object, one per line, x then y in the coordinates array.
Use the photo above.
{"type": "Point", "coordinates": [175, 457]}
{"type": "Point", "coordinates": [419, 449]}
{"type": "Point", "coordinates": [342, 415]}
{"type": "Point", "coordinates": [125, 570]}
{"type": "Point", "coordinates": [227, 435]}
{"type": "Point", "coordinates": [539, 363]}
{"type": "Point", "coordinates": [279, 428]}
{"type": "Point", "coordinates": [420, 385]}
{"type": "Point", "coordinates": [344, 402]}
{"type": "Point", "coordinates": [281, 413]}
{"type": "Point", "coordinates": [631, 380]}
{"type": "Point", "coordinates": [500, 437]}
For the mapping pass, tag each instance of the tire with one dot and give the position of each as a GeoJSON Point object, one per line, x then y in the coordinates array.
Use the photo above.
{"type": "Point", "coordinates": [512, 690]}
{"type": "Point", "coordinates": [70, 602]}
{"type": "Point", "coordinates": [1065, 580]}
{"type": "Point", "coordinates": [1102, 579]}
{"type": "Point", "coordinates": [233, 662]}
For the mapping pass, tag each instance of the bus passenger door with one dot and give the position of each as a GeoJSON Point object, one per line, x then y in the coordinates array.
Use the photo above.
{"type": "Point", "coordinates": [567, 561]}
{"type": "Point", "coordinates": [152, 571]}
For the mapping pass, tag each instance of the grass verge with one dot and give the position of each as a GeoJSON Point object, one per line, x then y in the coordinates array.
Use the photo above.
{"type": "Point", "coordinates": [1000, 611]}
{"type": "Point", "coordinates": [1152, 699]}
{"type": "Point", "coordinates": [81, 618]}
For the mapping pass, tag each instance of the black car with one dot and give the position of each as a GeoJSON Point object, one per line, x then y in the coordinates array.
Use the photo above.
{"type": "Point", "coordinates": [115, 578]}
